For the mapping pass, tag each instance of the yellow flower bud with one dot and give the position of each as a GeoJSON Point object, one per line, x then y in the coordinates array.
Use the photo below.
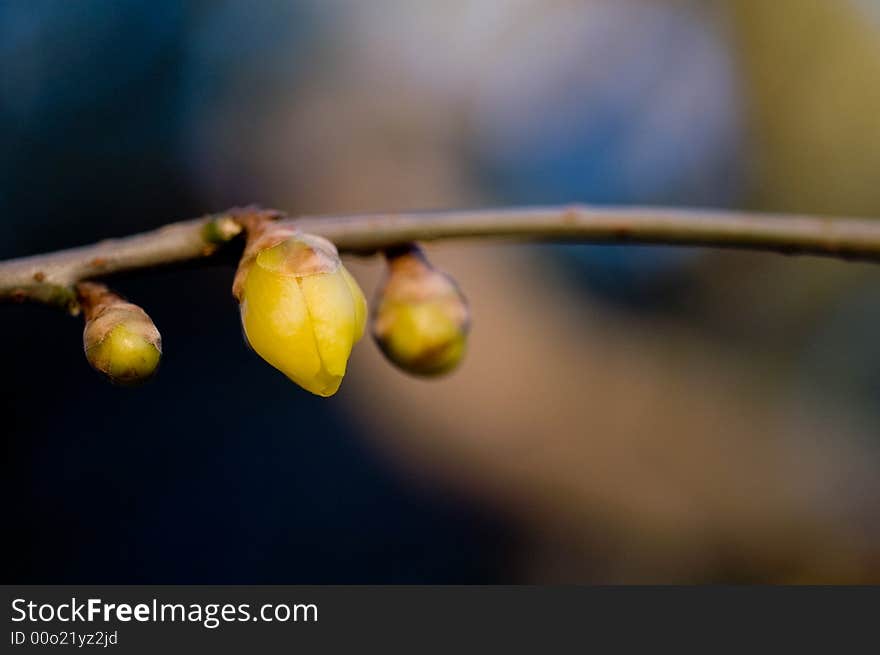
{"type": "Point", "coordinates": [421, 318]}
{"type": "Point", "coordinates": [301, 310]}
{"type": "Point", "coordinates": [119, 338]}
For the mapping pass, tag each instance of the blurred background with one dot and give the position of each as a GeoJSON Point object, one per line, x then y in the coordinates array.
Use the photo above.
{"type": "Point", "coordinates": [624, 414]}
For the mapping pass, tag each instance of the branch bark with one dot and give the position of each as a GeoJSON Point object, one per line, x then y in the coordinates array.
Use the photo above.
{"type": "Point", "coordinates": [50, 278]}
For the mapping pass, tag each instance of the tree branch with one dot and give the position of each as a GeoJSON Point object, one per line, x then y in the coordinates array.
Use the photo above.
{"type": "Point", "coordinates": [845, 238]}
{"type": "Point", "coordinates": [50, 278]}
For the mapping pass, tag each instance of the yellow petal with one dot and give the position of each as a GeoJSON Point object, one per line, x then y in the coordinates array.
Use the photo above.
{"type": "Point", "coordinates": [278, 326]}
{"type": "Point", "coordinates": [360, 305]}
{"type": "Point", "coordinates": [323, 384]}
{"type": "Point", "coordinates": [332, 311]}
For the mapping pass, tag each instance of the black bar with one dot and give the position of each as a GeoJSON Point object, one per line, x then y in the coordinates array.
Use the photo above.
{"type": "Point", "coordinates": [412, 619]}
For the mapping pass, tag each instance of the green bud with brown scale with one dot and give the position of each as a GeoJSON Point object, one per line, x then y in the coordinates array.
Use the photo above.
{"type": "Point", "coordinates": [421, 318]}
{"type": "Point", "coordinates": [119, 339]}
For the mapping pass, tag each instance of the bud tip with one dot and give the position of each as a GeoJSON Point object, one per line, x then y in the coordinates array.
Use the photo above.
{"type": "Point", "coordinates": [124, 354]}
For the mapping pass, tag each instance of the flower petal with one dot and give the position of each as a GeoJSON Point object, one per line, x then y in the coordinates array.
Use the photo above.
{"type": "Point", "coordinates": [360, 304]}
{"type": "Point", "coordinates": [332, 311]}
{"type": "Point", "coordinates": [278, 326]}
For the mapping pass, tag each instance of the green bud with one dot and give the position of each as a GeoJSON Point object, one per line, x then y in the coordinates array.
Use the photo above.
{"type": "Point", "coordinates": [421, 318]}
{"type": "Point", "coordinates": [119, 339]}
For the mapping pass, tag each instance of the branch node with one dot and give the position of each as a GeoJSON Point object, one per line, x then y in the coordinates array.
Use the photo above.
{"type": "Point", "coordinates": [219, 230]}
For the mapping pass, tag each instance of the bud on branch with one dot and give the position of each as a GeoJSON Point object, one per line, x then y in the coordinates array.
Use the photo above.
{"type": "Point", "coordinates": [421, 318]}
{"type": "Point", "coordinates": [301, 310]}
{"type": "Point", "coordinates": [119, 338]}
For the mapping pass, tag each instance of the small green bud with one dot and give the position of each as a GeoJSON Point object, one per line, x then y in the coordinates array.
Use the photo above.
{"type": "Point", "coordinates": [421, 318]}
{"type": "Point", "coordinates": [119, 338]}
